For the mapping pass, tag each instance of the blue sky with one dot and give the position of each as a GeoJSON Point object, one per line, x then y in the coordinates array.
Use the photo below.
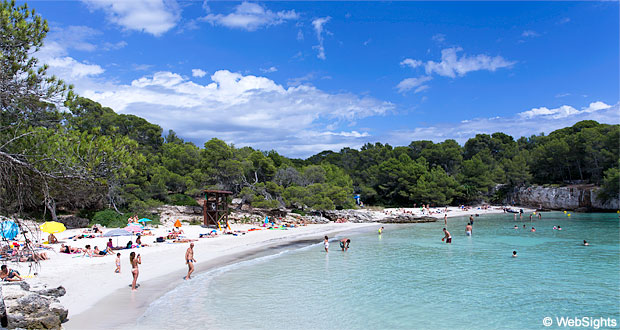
{"type": "Point", "coordinates": [302, 77]}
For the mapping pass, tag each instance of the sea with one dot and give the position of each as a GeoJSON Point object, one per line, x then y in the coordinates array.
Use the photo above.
{"type": "Point", "coordinates": [407, 278]}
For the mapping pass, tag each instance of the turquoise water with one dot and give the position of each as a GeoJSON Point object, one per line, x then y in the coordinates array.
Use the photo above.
{"type": "Point", "coordinates": [408, 279]}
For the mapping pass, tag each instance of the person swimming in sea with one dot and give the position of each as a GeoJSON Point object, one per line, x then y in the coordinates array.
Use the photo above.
{"type": "Point", "coordinates": [514, 254]}
{"type": "Point", "coordinates": [380, 230]}
{"type": "Point", "coordinates": [533, 229]}
{"type": "Point", "coordinates": [524, 227]}
{"type": "Point", "coordinates": [447, 237]}
{"type": "Point", "coordinates": [516, 227]}
{"type": "Point", "coordinates": [468, 229]}
{"type": "Point", "coordinates": [585, 243]}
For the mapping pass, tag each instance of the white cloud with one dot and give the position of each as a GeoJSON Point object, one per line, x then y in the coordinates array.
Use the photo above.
{"type": "Point", "coordinates": [151, 16]}
{"type": "Point", "coordinates": [55, 54]}
{"type": "Point", "coordinates": [562, 111]}
{"type": "Point", "coordinates": [244, 110]}
{"type": "Point", "coordinates": [300, 35]}
{"type": "Point", "coordinates": [114, 46]}
{"type": "Point", "coordinates": [516, 126]}
{"type": "Point", "coordinates": [411, 63]}
{"type": "Point", "coordinates": [562, 95]}
{"type": "Point", "coordinates": [439, 37]}
{"type": "Point", "coordinates": [451, 65]}
{"type": "Point", "coordinates": [318, 28]}
{"type": "Point", "coordinates": [269, 70]}
{"type": "Point", "coordinates": [529, 33]}
{"type": "Point", "coordinates": [251, 16]}
{"type": "Point", "coordinates": [198, 73]}
{"type": "Point", "coordinates": [408, 84]}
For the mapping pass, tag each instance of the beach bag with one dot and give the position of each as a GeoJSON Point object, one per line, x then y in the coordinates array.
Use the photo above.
{"type": "Point", "coordinates": [160, 239]}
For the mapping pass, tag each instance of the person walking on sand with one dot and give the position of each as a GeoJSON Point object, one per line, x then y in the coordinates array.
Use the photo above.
{"type": "Point", "coordinates": [189, 260]}
{"type": "Point", "coordinates": [118, 263]}
{"type": "Point", "coordinates": [134, 261]}
{"type": "Point", "coordinates": [447, 237]}
{"type": "Point", "coordinates": [326, 244]}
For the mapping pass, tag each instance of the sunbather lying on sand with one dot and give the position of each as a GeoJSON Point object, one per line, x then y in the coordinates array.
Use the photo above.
{"type": "Point", "coordinates": [68, 249]}
{"type": "Point", "coordinates": [89, 252]}
{"type": "Point", "coordinates": [184, 240]}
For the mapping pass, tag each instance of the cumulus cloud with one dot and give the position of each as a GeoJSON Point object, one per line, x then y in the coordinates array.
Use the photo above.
{"type": "Point", "coordinates": [411, 63]}
{"type": "Point", "coordinates": [151, 16]}
{"type": "Point", "coordinates": [251, 16]}
{"type": "Point", "coordinates": [562, 111]}
{"type": "Point", "coordinates": [198, 73]}
{"type": "Point", "coordinates": [55, 54]}
{"type": "Point", "coordinates": [526, 123]}
{"type": "Point", "coordinates": [244, 110]}
{"type": "Point", "coordinates": [410, 83]}
{"type": "Point", "coordinates": [318, 28]}
{"type": "Point", "coordinates": [451, 65]}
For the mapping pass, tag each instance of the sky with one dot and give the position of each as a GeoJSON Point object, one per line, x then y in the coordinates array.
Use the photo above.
{"type": "Point", "coordinates": [303, 77]}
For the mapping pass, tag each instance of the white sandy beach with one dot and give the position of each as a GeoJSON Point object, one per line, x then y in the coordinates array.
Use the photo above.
{"type": "Point", "coordinates": [89, 280]}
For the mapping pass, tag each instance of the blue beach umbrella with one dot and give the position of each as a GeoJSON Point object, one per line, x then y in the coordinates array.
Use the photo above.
{"type": "Point", "coordinates": [116, 233]}
{"type": "Point", "coordinates": [144, 220]}
{"type": "Point", "coordinates": [9, 229]}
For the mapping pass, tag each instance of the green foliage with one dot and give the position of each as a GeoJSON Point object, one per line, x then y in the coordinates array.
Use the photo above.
{"type": "Point", "coordinates": [182, 200]}
{"type": "Point", "coordinates": [109, 218]}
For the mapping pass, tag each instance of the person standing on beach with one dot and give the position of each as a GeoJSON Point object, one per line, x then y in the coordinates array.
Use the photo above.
{"type": "Point", "coordinates": [189, 260]}
{"type": "Point", "coordinates": [344, 244]}
{"type": "Point", "coordinates": [326, 244]}
{"type": "Point", "coordinates": [118, 263]}
{"type": "Point", "coordinates": [134, 261]}
{"type": "Point", "coordinates": [447, 237]}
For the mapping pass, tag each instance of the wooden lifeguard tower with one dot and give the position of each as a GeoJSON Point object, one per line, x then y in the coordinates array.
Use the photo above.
{"type": "Point", "coordinates": [215, 208]}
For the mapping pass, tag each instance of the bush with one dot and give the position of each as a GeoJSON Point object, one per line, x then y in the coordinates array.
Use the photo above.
{"type": "Point", "coordinates": [108, 218]}
{"type": "Point", "coordinates": [182, 200]}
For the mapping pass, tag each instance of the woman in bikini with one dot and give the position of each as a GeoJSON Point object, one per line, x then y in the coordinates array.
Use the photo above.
{"type": "Point", "coordinates": [134, 261]}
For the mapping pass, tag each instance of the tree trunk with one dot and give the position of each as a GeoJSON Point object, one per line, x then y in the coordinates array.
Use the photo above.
{"type": "Point", "coordinates": [51, 206]}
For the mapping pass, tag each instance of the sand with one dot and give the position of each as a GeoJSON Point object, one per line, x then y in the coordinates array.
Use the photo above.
{"type": "Point", "coordinates": [94, 291]}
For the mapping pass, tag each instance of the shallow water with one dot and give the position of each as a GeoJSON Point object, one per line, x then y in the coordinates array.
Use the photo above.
{"type": "Point", "coordinates": [408, 278]}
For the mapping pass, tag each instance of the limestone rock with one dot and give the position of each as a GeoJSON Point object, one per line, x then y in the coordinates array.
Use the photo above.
{"type": "Point", "coordinates": [575, 197]}
{"type": "Point", "coordinates": [33, 309]}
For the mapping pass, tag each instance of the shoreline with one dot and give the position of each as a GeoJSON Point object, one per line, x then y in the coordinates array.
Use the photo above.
{"type": "Point", "coordinates": [93, 290]}
{"type": "Point", "coordinates": [128, 306]}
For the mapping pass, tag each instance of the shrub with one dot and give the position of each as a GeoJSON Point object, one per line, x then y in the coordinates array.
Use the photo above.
{"type": "Point", "coordinates": [182, 200]}
{"type": "Point", "coordinates": [108, 218]}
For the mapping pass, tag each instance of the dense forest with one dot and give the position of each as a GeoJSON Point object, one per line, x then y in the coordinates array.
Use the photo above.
{"type": "Point", "coordinates": [63, 152]}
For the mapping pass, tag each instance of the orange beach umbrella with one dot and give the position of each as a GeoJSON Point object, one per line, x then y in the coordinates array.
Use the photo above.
{"type": "Point", "coordinates": [177, 223]}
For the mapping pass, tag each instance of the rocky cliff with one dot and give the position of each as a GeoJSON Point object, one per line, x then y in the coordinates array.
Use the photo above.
{"type": "Point", "coordinates": [576, 197]}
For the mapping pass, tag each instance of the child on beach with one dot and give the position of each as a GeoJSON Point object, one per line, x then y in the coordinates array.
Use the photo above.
{"type": "Point", "coordinates": [118, 263]}
{"type": "Point", "coordinates": [326, 243]}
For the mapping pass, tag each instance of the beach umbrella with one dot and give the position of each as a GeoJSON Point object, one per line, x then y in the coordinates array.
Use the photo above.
{"type": "Point", "coordinates": [9, 229]}
{"type": "Point", "coordinates": [133, 228]}
{"type": "Point", "coordinates": [177, 223]}
{"type": "Point", "coordinates": [117, 233]}
{"type": "Point", "coordinates": [144, 220]}
{"type": "Point", "coordinates": [52, 227]}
